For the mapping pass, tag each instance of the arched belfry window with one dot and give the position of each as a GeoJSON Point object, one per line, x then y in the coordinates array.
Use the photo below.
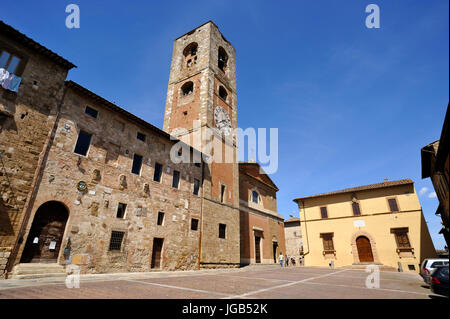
{"type": "Point", "coordinates": [222, 59]}
{"type": "Point", "coordinates": [223, 93]}
{"type": "Point", "coordinates": [190, 54]}
{"type": "Point", "coordinates": [187, 88]}
{"type": "Point", "coordinates": [255, 197]}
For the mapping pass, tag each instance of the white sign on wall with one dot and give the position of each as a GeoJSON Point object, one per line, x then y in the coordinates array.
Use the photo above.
{"type": "Point", "coordinates": [359, 223]}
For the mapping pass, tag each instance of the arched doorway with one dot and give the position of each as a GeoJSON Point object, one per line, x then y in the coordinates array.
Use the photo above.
{"type": "Point", "coordinates": [46, 234]}
{"type": "Point", "coordinates": [364, 249]}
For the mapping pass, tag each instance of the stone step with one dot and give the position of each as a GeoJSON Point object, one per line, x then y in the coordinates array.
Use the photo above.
{"type": "Point", "coordinates": [38, 276]}
{"type": "Point", "coordinates": [381, 267]}
{"type": "Point", "coordinates": [37, 270]}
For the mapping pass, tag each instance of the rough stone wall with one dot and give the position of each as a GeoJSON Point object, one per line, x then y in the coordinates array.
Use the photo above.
{"type": "Point", "coordinates": [293, 238]}
{"type": "Point", "coordinates": [92, 214]}
{"type": "Point", "coordinates": [23, 134]}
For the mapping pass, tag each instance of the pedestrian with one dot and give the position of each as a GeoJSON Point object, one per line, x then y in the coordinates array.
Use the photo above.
{"type": "Point", "coordinates": [280, 258]}
{"type": "Point", "coordinates": [293, 261]}
{"type": "Point", "coordinates": [287, 260]}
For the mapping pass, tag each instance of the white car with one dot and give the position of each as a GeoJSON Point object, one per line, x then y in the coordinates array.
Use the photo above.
{"type": "Point", "coordinates": [428, 265]}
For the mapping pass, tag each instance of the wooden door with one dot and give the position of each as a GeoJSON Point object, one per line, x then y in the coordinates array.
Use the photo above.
{"type": "Point", "coordinates": [46, 234]}
{"type": "Point", "coordinates": [156, 254]}
{"type": "Point", "coordinates": [257, 249]}
{"type": "Point", "coordinates": [364, 249]}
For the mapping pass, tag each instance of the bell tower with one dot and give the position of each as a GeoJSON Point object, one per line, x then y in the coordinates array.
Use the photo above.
{"type": "Point", "coordinates": [201, 110]}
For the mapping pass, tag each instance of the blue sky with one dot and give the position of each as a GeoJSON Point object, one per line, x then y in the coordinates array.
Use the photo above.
{"type": "Point", "coordinates": [353, 105]}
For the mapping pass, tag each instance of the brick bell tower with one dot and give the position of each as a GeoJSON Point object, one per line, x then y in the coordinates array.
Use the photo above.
{"type": "Point", "coordinates": [201, 98]}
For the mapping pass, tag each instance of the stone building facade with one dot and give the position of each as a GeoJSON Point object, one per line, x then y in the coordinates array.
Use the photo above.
{"type": "Point", "coordinates": [436, 165]}
{"type": "Point", "coordinates": [85, 182]}
{"type": "Point", "coordinates": [293, 239]}
{"type": "Point", "coordinates": [261, 227]}
{"type": "Point", "coordinates": [27, 118]}
{"type": "Point", "coordinates": [380, 223]}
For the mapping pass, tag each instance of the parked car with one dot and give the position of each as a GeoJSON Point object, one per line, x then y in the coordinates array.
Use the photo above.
{"type": "Point", "coordinates": [428, 265]}
{"type": "Point", "coordinates": [439, 280]}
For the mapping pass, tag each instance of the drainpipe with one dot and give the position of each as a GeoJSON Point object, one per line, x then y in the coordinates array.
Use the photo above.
{"type": "Point", "coordinates": [201, 214]}
{"type": "Point", "coordinates": [35, 186]}
{"type": "Point", "coordinates": [306, 229]}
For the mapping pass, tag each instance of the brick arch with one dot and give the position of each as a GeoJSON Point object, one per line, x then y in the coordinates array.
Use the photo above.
{"type": "Point", "coordinates": [373, 244]}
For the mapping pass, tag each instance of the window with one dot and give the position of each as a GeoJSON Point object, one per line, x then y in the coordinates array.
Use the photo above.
{"type": "Point", "coordinates": [356, 210]}
{"type": "Point", "coordinates": [393, 205]}
{"type": "Point", "coordinates": [158, 172]}
{"type": "Point", "coordinates": [194, 224]}
{"type": "Point", "coordinates": [222, 193]}
{"type": "Point", "coordinates": [91, 112]}
{"type": "Point", "coordinates": [223, 93]}
{"type": "Point", "coordinates": [411, 267]}
{"type": "Point", "coordinates": [196, 186]}
{"type": "Point", "coordinates": [121, 208]}
{"type": "Point", "coordinates": [401, 237]}
{"type": "Point", "coordinates": [137, 164]}
{"type": "Point", "coordinates": [160, 220]}
{"type": "Point", "coordinates": [187, 88]}
{"type": "Point", "coordinates": [327, 239]}
{"type": "Point", "coordinates": [141, 136]}
{"type": "Point", "coordinates": [222, 230]}
{"type": "Point", "coordinates": [437, 263]}
{"type": "Point", "coordinates": [255, 196]}
{"type": "Point", "coordinates": [9, 62]}
{"type": "Point", "coordinates": [222, 59]}
{"type": "Point", "coordinates": [323, 212]}
{"type": "Point", "coordinates": [83, 142]}
{"type": "Point", "coordinates": [176, 179]}
{"type": "Point", "coordinates": [116, 240]}
{"type": "Point", "coordinates": [190, 54]}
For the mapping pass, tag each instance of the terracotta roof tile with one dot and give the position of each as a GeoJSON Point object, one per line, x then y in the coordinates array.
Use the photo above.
{"type": "Point", "coordinates": [360, 188]}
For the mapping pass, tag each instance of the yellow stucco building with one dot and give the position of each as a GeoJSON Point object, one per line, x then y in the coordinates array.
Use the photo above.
{"type": "Point", "coordinates": [374, 224]}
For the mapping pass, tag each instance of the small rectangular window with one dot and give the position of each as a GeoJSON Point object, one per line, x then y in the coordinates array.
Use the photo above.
{"type": "Point", "coordinates": [91, 112]}
{"type": "Point", "coordinates": [323, 212]}
{"type": "Point", "coordinates": [194, 224]}
{"type": "Point", "coordinates": [83, 142]}
{"type": "Point", "coordinates": [222, 230]}
{"type": "Point", "coordinates": [196, 186]}
{"type": "Point", "coordinates": [176, 179]}
{"type": "Point", "coordinates": [141, 136]}
{"type": "Point", "coordinates": [158, 172]}
{"type": "Point", "coordinates": [9, 62]}
{"type": "Point", "coordinates": [393, 205]}
{"type": "Point", "coordinates": [402, 239]}
{"type": "Point", "coordinates": [356, 210]}
{"type": "Point", "coordinates": [328, 245]}
{"type": "Point", "coordinates": [160, 218]}
{"type": "Point", "coordinates": [121, 208]}
{"type": "Point", "coordinates": [137, 164]}
{"type": "Point", "coordinates": [222, 193]}
{"type": "Point", "coordinates": [411, 267]}
{"type": "Point", "coordinates": [116, 240]}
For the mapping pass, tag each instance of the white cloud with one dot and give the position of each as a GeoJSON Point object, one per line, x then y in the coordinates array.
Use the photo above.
{"type": "Point", "coordinates": [423, 190]}
{"type": "Point", "coordinates": [432, 195]}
